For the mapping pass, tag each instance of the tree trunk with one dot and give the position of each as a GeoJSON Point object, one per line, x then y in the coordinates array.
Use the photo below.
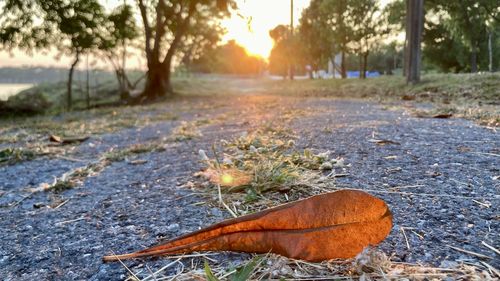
{"type": "Point", "coordinates": [343, 71]}
{"type": "Point", "coordinates": [406, 57]}
{"type": "Point", "coordinates": [365, 63]}
{"type": "Point", "coordinates": [490, 51]}
{"type": "Point", "coordinates": [69, 97]}
{"type": "Point", "coordinates": [360, 56]}
{"type": "Point", "coordinates": [123, 85]}
{"type": "Point", "coordinates": [157, 83]}
{"type": "Point", "coordinates": [416, 20]}
{"type": "Point", "coordinates": [389, 65]}
{"type": "Point", "coordinates": [473, 60]}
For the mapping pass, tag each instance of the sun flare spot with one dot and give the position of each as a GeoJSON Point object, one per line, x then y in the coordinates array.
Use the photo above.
{"type": "Point", "coordinates": [227, 179]}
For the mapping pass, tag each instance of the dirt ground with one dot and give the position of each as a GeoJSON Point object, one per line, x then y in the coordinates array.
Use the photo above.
{"type": "Point", "coordinates": [440, 178]}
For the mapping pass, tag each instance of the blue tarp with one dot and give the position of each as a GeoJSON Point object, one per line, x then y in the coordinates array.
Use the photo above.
{"type": "Point", "coordinates": [369, 74]}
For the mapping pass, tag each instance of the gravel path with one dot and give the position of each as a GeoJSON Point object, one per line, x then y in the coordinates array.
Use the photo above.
{"type": "Point", "coordinates": [439, 177]}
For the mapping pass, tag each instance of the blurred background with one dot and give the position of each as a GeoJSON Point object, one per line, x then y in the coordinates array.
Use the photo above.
{"type": "Point", "coordinates": [90, 52]}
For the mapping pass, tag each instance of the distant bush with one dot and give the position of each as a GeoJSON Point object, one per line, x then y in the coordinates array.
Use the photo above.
{"type": "Point", "coordinates": [31, 101]}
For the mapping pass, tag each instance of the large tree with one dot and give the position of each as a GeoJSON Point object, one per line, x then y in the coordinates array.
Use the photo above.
{"type": "Point", "coordinates": [470, 23]}
{"type": "Point", "coordinates": [441, 50]}
{"type": "Point", "coordinates": [335, 16]}
{"type": "Point", "coordinates": [280, 57]}
{"type": "Point", "coordinates": [334, 27]}
{"type": "Point", "coordinates": [317, 45]}
{"type": "Point", "coordinates": [368, 25]}
{"type": "Point", "coordinates": [169, 25]}
{"type": "Point", "coordinates": [70, 26]}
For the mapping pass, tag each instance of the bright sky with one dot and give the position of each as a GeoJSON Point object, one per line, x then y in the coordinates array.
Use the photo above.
{"type": "Point", "coordinates": [263, 15]}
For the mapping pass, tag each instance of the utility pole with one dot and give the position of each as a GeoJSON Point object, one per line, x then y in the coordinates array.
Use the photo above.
{"type": "Point", "coordinates": [415, 21]}
{"type": "Point", "coordinates": [291, 69]}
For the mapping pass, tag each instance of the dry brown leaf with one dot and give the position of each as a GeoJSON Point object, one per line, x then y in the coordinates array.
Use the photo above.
{"type": "Point", "coordinates": [68, 140]}
{"type": "Point", "coordinates": [443, 116]}
{"type": "Point", "coordinates": [332, 225]}
{"type": "Point", "coordinates": [384, 142]}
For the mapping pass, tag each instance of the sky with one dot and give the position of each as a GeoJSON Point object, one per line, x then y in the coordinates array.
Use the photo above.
{"type": "Point", "coordinates": [263, 15]}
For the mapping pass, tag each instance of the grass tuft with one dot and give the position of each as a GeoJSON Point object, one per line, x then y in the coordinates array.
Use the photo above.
{"type": "Point", "coordinates": [264, 168]}
{"type": "Point", "coordinates": [11, 156]}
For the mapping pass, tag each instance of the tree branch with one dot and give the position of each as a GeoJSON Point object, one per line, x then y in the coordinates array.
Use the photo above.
{"type": "Point", "coordinates": [181, 30]}
{"type": "Point", "coordinates": [160, 28]}
{"type": "Point", "coordinates": [147, 28]}
{"type": "Point", "coordinates": [490, 11]}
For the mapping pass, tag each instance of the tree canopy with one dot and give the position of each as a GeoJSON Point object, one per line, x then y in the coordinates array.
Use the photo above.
{"type": "Point", "coordinates": [171, 27]}
{"type": "Point", "coordinates": [457, 36]}
{"type": "Point", "coordinates": [72, 27]}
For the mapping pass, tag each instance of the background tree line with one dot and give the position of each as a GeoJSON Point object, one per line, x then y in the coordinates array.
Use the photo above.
{"type": "Point", "coordinates": [457, 36]}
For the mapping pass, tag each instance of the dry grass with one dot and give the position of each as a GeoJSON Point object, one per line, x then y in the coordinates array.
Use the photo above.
{"type": "Point", "coordinates": [471, 96]}
{"type": "Point", "coordinates": [10, 156]}
{"type": "Point", "coordinates": [371, 264]}
{"type": "Point", "coordinates": [76, 176]}
{"type": "Point", "coordinates": [262, 169]}
{"type": "Point", "coordinates": [188, 130]}
{"type": "Point", "coordinates": [96, 121]}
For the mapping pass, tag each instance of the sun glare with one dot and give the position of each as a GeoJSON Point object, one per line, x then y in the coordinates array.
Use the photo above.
{"type": "Point", "coordinates": [250, 25]}
{"type": "Point", "coordinates": [227, 179]}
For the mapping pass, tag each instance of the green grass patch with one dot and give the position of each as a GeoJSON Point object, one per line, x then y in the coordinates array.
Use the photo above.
{"type": "Point", "coordinates": [140, 148]}
{"type": "Point", "coordinates": [11, 156]}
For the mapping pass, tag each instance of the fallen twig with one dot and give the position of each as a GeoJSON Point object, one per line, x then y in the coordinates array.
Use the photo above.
{"type": "Point", "coordinates": [69, 158]}
{"type": "Point", "coordinates": [62, 204]}
{"type": "Point", "coordinates": [491, 247]}
{"type": "Point", "coordinates": [70, 221]}
{"type": "Point", "coordinates": [486, 153]}
{"type": "Point", "coordinates": [161, 269]}
{"type": "Point", "coordinates": [406, 238]}
{"type": "Point", "coordinates": [470, 252]}
{"type": "Point", "coordinates": [126, 267]}
{"type": "Point", "coordinates": [491, 268]}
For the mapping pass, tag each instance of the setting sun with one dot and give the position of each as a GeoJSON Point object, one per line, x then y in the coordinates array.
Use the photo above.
{"type": "Point", "coordinates": [251, 24]}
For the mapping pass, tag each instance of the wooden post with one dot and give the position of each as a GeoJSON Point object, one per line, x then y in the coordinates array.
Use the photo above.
{"type": "Point", "coordinates": [415, 21]}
